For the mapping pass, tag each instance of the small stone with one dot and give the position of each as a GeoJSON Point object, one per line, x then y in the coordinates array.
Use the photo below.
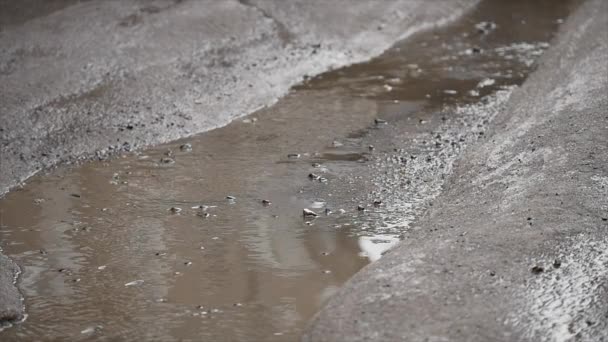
{"type": "Point", "coordinates": [237, 304]}
{"type": "Point", "coordinates": [328, 211]}
{"type": "Point", "coordinates": [316, 165]}
{"type": "Point", "coordinates": [360, 208]}
{"type": "Point", "coordinates": [204, 214]}
{"type": "Point", "coordinates": [322, 179]}
{"type": "Point", "coordinates": [342, 211]}
{"type": "Point", "coordinates": [43, 251]}
{"type": "Point", "coordinates": [230, 198]}
{"type": "Point", "coordinates": [188, 263]}
{"type": "Point", "coordinates": [76, 280]}
{"type": "Point", "coordinates": [336, 143]}
{"type": "Point", "coordinates": [309, 213]}
{"type": "Point", "coordinates": [371, 147]}
{"type": "Point", "coordinates": [169, 153]}
{"type": "Point", "coordinates": [327, 271]}
{"type": "Point", "coordinates": [379, 121]}
{"type": "Point", "coordinates": [266, 202]}
{"type": "Point", "coordinates": [102, 267]}
{"type": "Point", "coordinates": [377, 202]}
{"type": "Point", "coordinates": [175, 210]}
{"type": "Point", "coordinates": [557, 263]}
{"type": "Point", "coordinates": [492, 273]}
{"type": "Point", "coordinates": [167, 160]}
{"type": "Point", "coordinates": [313, 176]}
{"type": "Point", "coordinates": [537, 269]}
{"type": "Point", "coordinates": [293, 155]}
{"type": "Point", "coordinates": [186, 147]}
{"type": "Point", "coordinates": [91, 330]}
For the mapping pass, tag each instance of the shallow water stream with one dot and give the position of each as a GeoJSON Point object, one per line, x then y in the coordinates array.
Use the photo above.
{"type": "Point", "coordinates": [105, 258]}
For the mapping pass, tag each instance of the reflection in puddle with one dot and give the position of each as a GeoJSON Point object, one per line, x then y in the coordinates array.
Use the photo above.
{"type": "Point", "coordinates": [366, 147]}
{"type": "Point", "coordinates": [373, 247]}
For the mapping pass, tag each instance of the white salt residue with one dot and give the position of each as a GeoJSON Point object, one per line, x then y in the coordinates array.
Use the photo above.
{"type": "Point", "coordinates": [568, 303]}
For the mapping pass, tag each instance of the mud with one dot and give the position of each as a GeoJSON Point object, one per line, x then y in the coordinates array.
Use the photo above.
{"type": "Point", "coordinates": [134, 247]}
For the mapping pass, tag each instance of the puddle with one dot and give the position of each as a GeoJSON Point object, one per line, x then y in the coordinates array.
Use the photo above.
{"type": "Point", "coordinates": [210, 243]}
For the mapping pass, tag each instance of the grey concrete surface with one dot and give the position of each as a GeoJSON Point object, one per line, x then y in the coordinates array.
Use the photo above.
{"type": "Point", "coordinates": [100, 76]}
{"type": "Point", "coordinates": [515, 248]}
{"type": "Point", "coordinates": [89, 78]}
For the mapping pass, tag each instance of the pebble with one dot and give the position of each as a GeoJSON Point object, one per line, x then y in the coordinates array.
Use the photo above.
{"type": "Point", "coordinates": [91, 330]}
{"type": "Point", "coordinates": [557, 263]}
{"type": "Point", "coordinates": [266, 202]}
{"type": "Point", "coordinates": [230, 198]}
{"type": "Point", "coordinates": [167, 160]}
{"type": "Point", "coordinates": [371, 147]}
{"type": "Point", "coordinates": [186, 147]}
{"type": "Point", "coordinates": [327, 271]}
{"type": "Point", "coordinates": [293, 155]}
{"type": "Point", "coordinates": [309, 213]}
{"type": "Point", "coordinates": [537, 269]}
{"type": "Point", "coordinates": [313, 176]}
{"type": "Point", "coordinates": [102, 267]}
{"type": "Point", "coordinates": [327, 211]}
{"type": "Point", "coordinates": [360, 208]}
{"type": "Point", "coordinates": [316, 165]}
{"type": "Point", "coordinates": [175, 210]}
{"type": "Point", "coordinates": [379, 121]}
{"type": "Point", "coordinates": [188, 263]}
{"type": "Point", "coordinates": [377, 202]}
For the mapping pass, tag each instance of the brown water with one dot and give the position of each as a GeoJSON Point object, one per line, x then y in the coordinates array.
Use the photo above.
{"type": "Point", "coordinates": [247, 271]}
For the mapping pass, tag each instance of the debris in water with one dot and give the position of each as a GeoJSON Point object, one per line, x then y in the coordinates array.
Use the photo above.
{"type": "Point", "coordinates": [188, 263]}
{"type": "Point", "coordinates": [134, 283]}
{"type": "Point", "coordinates": [91, 330]}
{"type": "Point", "coordinates": [266, 203]}
{"type": "Point", "coordinates": [322, 179]}
{"type": "Point", "coordinates": [485, 27]}
{"type": "Point", "coordinates": [309, 213]}
{"type": "Point", "coordinates": [230, 198]}
{"type": "Point", "coordinates": [169, 153]}
{"type": "Point", "coordinates": [175, 210]}
{"type": "Point", "coordinates": [360, 208]}
{"type": "Point", "coordinates": [75, 195]}
{"type": "Point", "coordinates": [328, 211]}
{"type": "Point", "coordinates": [486, 82]}
{"type": "Point", "coordinates": [293, 155]}
{"type": "Point", "coordinates": [237, 304]}
{"type": "Point", "coordinates": [186, 147]}
{"type": "Point", "coordinates": [537, 269]}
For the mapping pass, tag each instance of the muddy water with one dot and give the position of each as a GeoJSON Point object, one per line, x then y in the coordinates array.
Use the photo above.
{"type": "Point", "coordinates": [105, 258]}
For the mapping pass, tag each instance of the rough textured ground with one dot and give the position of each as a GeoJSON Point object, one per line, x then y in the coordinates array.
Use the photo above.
{"type": "Point", "coordinates": [84, 78]}
{"type": "Point", "coordinates": [98, 76]}
{"type": "Point", "coordinates": [515, 248]}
